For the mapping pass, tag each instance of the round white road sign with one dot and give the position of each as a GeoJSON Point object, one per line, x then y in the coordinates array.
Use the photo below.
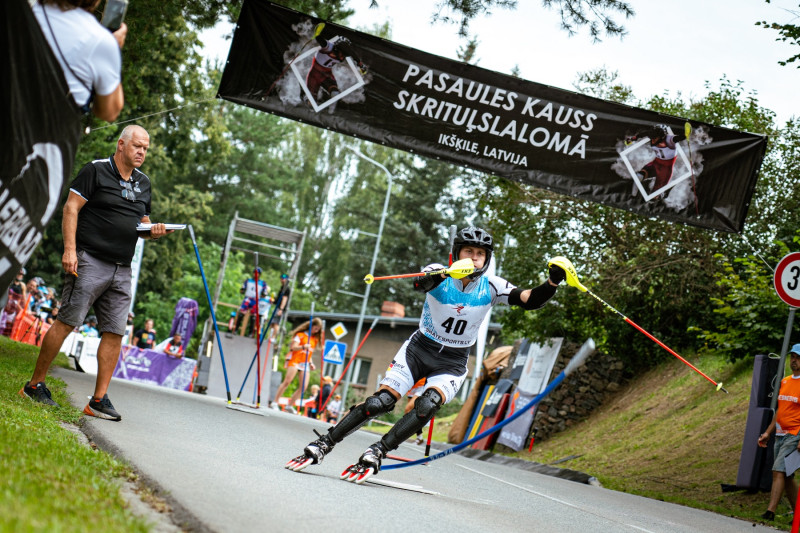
{"type": "Point", "coordinates": [787, 279]}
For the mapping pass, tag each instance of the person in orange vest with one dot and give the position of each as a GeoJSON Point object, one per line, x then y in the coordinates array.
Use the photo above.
{"type": "Point", "coordinates": [299, 359]}
{"type": "Point", "coordinates": [786, 426]}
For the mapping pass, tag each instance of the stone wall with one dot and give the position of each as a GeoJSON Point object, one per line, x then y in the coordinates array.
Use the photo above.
{"type": "Point", "coordinates": [581, 393]}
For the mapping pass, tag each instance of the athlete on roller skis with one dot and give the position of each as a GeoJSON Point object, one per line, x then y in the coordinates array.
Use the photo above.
{"type": "Point", "coordinates": [438, 351]}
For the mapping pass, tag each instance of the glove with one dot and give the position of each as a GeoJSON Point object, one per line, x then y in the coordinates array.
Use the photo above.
{"type": "Point", "coordinates": [428, 283]}
{"type": "Point", "coordinates": [557, 274]}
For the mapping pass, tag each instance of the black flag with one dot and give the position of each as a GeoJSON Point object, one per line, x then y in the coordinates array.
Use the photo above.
{"type": "Point", "coordinates": [40, 126]}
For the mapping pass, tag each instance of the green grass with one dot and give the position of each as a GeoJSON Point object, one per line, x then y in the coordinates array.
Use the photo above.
{"type": "Point", "coordinates": [49, 481]}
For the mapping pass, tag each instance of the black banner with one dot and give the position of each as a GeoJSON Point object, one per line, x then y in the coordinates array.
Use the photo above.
{"type": "Point", "coordinates": [367, 87]}
{"type": "Point", "coordinates": [40, 127]}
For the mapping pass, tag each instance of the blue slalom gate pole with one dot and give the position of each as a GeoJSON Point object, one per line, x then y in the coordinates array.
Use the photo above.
{"type": "Point", "coordinates": [585, 351]}
{"type": "Point", "coordinates": [213, 314]}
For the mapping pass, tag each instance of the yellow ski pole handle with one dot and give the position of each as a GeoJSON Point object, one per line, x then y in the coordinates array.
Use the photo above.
{"type": "Point", "coordinates": [459, 269]}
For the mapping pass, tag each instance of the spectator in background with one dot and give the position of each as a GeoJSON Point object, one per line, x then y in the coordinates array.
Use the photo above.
{"type": "Point", "coordinates": [324, 394]}
{"type": "Point", "coordinates": [174, 347]}
{"type": "Point", "coordinates": [145, 338]}
{"type": "Point", "coordinates": [18, 285]}
{"type": "Point", "coordinates": [313, 408]}
{"type": "Point", "coordinates": [89, 328]}
{"type": "Point", "coordinates": [13, 306]}
{"type": "Point", "coordinates": [32, 293]}
{"type": "Point", "coordinates": [334, 408]}
{"type": "Point", "coordinates": [786, 426]}
{"type": "Point", "coordinates": [88, 54]}
{"type": "Point", "coordinates": [253, 296]}
{"type": "Point", "coordinates": [283, 294]}
{"type": "Point", "coordinates": [53, 314]}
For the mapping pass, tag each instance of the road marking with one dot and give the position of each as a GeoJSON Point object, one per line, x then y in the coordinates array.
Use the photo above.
{"type": "Point", "coordinates": [526, 489]}
{"type": "Point", "coordinates": [404, 486]}
{"type": "Point", "coordinates": [244, 408]}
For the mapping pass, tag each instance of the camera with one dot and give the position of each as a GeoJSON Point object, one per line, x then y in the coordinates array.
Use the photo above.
{"type": "Point", "coordinates": [114, 14]}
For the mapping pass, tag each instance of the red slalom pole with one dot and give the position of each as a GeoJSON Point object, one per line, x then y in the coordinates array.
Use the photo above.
{"type": "Point", "coordinates": [321, 369]}
{"type": "Point", "coordinates": [257, 328]}
{"type": "Point", "coordinates": [352, 358]}
{"type": "Point", "coordinates": [652, 338]}
{"type": "Point", "coordinates": [307, 371]}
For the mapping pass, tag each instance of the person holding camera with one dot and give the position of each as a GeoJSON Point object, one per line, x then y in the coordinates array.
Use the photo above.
{"type": "Point", "coordinates": [89, 54]}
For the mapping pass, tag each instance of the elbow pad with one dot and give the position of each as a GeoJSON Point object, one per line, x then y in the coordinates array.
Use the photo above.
{"type": "Point", "coordinates": [538, 297]}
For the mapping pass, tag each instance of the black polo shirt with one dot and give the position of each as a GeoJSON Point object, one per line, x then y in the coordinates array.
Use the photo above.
{"type": "Point", "coordinates": [107, 222]}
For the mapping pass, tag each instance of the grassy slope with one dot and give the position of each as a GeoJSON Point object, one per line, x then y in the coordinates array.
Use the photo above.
{"type": "Point", "coordinates": [48, 480]}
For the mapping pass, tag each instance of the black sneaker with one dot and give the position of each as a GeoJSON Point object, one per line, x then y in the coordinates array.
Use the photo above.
{"type": "Point", "coordinates": [38, 393]}
{"type": "Point", "coordinates": [102, 409]}
{"type": "Point", "coordinates": [768, 515]}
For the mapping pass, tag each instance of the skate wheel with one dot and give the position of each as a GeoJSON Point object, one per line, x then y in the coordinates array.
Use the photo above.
{"type": "Point", "coordinates": [364, 475]}
{"type": "Point", "coordinates": [299, 463]}
{"type": "Point", "coordinates": [349, 473]}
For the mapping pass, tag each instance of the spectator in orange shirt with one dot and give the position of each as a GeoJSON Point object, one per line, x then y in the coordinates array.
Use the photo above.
{"type": "Point", "coordinates": [786, 425]}
{"type": "Point", "coordinates": [299, 359]}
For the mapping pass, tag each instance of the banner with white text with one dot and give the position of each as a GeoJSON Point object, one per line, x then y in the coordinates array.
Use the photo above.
{"type": "Point", "coordinates": [287, 63]}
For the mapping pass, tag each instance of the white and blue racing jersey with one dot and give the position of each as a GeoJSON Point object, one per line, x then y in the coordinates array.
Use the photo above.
{"type": "Point", "coordinates": [452, 314]}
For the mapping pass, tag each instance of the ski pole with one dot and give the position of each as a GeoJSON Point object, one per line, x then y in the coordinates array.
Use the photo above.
{"type": "Point", "coordinates": [249, 368]}
{"type": "Point", "coordinates": [257, 329]}
{"type": "Point", "coordinates": [457, 270]}
{"type": "Point", "coordinates": [266, 331]}
{"type": "Point", "coordinates": [572, 280]}
{"type": "Point", "coordinates": [687, 130]}
{"type": "Point", "coordinates": [213, 314]}
{"type": "Point", "coordinates": [306, 371]}
{"type": "Point", "coordinates": [585, 351]}
{"type": "Point", "coordinates": [352, 358]}
{"type": "Point", "coordinates": [321, 369]}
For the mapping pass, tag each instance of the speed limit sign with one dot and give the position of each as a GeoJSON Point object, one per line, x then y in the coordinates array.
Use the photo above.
{"type": "Point", "coordinates": [787, 279]}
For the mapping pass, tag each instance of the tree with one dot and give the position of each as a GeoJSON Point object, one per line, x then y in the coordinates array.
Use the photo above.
{"type": "Point", "coordinates": [575, 14]}
{"type": "Point", "coordinates": [786, 32]}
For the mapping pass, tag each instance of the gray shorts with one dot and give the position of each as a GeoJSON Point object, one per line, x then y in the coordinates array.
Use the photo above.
{"type": "Point", "coordinates": [106, 286]}
{"type": "Point", "coordinates": [784, 445]}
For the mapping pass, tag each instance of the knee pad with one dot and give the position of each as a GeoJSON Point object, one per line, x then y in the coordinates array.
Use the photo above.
{"type": "Point", "coordinates": [379, 403]}
{"type": "Point", "coordinates": [428, 403]}
{"type": "Point", "coordinates": [424, 409]}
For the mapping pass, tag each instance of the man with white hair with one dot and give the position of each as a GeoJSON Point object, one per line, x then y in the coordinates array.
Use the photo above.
{"type": "Point", "coordinates": [107, 200]}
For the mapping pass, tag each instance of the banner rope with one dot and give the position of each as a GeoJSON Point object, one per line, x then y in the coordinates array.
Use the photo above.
{"type": "Point", "coordinates": [150, 115]}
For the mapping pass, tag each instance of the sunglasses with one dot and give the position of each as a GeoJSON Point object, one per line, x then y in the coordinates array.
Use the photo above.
{"type": "Point", "coordinates": [127, 191]}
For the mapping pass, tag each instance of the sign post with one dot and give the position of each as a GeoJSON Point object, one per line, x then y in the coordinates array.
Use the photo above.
{"type": "Point", "coordinates": [787, 285]}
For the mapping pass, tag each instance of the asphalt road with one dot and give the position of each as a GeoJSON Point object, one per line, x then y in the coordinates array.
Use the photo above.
{"type": "Point", "coordinates": [223, 470]}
